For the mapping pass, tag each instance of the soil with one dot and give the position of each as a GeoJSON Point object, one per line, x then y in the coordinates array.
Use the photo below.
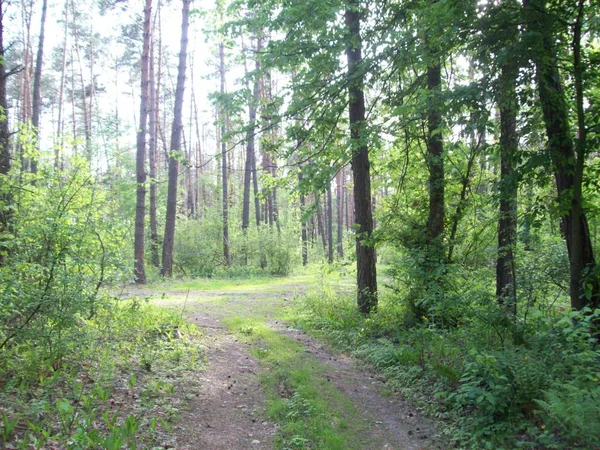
{"type": "Point", "coordinates": [228, 413]}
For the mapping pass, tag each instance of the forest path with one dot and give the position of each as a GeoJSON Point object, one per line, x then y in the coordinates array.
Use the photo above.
{"type": "Point", "coordinates": [267, 385]}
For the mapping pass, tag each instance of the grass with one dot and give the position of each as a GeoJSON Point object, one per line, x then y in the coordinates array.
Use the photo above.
{"type": "Point", "coordinates": [310, 412]}
{"type": "Point", "coordinates": [121, 382]}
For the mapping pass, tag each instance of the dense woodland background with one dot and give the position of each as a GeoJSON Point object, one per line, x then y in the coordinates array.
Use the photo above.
{"type": "Point", "coordinates": [446, 151]}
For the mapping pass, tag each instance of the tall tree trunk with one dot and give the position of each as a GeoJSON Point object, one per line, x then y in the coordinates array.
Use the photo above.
{"type": "Point", "coordinates": [140, 209]}
{"type": "Point", "coordinates": [59, 141]}
{"type": "Point", "coordinates": [4, 130]}
{"type": "Point", "coordinates": [5, 198]}
{"type": "Point", "coordinates": [176, 131]}
{"type": "Point", "coordinates": [329, 225]}
{"type": "Point", "coordinates": [567, 163]}
{"type": "Point", "coordinates": [250, 147]}
{"type": "Point", "coordinates": [224, 172]}
{"type": "Point", "coordinates": [303, 220]}
{"type": "Point", "coordinates": [37, 81]}
{"type": "Point", "coordinates": [365, 251]}
{"type": "Point", "coordinates": [340, 212]}
{"type": "Point", "coordinates": [435, 160]}
{"type": "Point", "coordinates": [506, 286]}
{"type": "Point", "coordinates": [321, 223]}
{"type": "Point", "coordinates": [152, 151]}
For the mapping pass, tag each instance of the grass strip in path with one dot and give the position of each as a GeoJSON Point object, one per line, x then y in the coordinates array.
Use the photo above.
{"type": "Point", "coordinates": [310, 411]}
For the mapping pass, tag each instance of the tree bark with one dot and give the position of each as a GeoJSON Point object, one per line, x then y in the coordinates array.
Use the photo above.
{"type": "Point", "coordinates": [329, 225]}
{"type": "Point", "coordinates": [506, 288]}
{"type": "Point", "coordinates": [224, 172]}
{"type": "Point", "coordinates": [304, 225]}
{"type": "Point", "coordinates": [140, 209]}
{"type": "Point", "coordinates": [435, 160]}
{"type": "Point", "coordinates": [152, 150]}
{"type": "Point", "coordinates": [567, 165]}
{"type": "Point", "coordinates": [37, 80]}
{"type": "Point", "coordinates": [365, 251]}
{"type": "Point", "coordinates": [59, 141]}
{"type": "Point", "coordinates": [176, 131]}
{"type": "Point", "coordinates": [340, 212]}
{"type": "Point", "coordinates": [250, 147]}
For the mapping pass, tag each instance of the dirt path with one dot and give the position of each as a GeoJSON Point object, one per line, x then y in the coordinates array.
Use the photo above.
{"type": "Point", "coordinates": [230, 413]}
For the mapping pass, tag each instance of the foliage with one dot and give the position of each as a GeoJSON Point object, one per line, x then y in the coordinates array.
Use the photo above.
{"type": "Point", "coordinates": [65, 243]}
{"type": "Point", "coordinates": [120, 385]}
{"type": "Point", "coordinates": [495, 384]}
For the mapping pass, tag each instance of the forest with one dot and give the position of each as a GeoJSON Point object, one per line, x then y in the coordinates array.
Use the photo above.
{"type": "Point", "coordinates": [316, 224]}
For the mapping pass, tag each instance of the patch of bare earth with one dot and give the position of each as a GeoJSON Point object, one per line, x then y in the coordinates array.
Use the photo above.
{"type": "Point", "coordinates": [228, 413]}
{"type": "Point", "coordinates": [394, 423]}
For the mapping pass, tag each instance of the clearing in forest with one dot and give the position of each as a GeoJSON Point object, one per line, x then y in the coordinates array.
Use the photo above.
{"type": "Point", "coordinates": [269, 385]}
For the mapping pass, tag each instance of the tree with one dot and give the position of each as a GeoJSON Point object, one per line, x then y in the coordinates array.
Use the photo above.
{"type": "Point", "coordinates": [175, 147]}
{"type": "Point", "coordinates": [224, 171]}
{"type": "Point", "coordinates": [366, 271]}
{"type": "Point", "coordinates": [37, 80]}
{"type": "Point", "coordinates": [140, 209]}
{"type": "Point", "coordinates": [567, 163]}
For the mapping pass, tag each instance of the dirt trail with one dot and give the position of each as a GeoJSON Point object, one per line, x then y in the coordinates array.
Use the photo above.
{"type": "Point", "coordinates": [229, 411]}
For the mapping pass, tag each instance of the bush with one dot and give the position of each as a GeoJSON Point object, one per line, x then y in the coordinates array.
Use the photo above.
{"type": "Point", "coordinates": [65, 244]}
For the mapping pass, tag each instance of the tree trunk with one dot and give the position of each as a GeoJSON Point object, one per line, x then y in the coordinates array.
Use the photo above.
{"type": "Point", "coordinates": [152, 148]}
{"type": "Point", "coordinates": [303, 220]}
{"type": "Point", "coordinates": [37, 80]}
{"type": "Point", "coordinates": [506, 289]}
{"type": "Point", "coordinates": [140, 209]}
{"type": "Point", "coordinates": [365, 251]}
{"type": "Point", "coordinates": [321, 223]}
{"type": "Point", "coordinates": [176, 131]}
{"type": "Point", "coordinates": [329, 225]}
{"type": "Point", "coordinates": [250, 148]}
{"type": "Point", "coordinates": [224, 172]}
{"type": "Point", "coordinates": [340, 212]}
{"type": "Point", "coordinates": [59, 141]}
{"type": "Point", "coordinates": [4, 130]}
{"type": "Point", "coordinates": [435, 160]}
{"type": "Point", "coordinates": [567, 165]}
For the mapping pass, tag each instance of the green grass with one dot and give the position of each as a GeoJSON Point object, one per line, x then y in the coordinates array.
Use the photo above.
{"type": "Point", "coordinates": [127, 375]}
{"type": "Point", "coordinates": [310, 412]}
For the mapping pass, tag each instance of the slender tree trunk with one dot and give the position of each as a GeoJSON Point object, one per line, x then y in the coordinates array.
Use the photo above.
{"type": "Point", "coordinates": [250, 147]}
{"type": "Point", "coordinates": [59, 141]}
{"type": "Point", "coordinates": [152, 151]}
{"type": "Point", "coordinates": [340, 212]}
{"type": "Point", "coordinates": [365, 250]}
{"type": "Point", "coordinates": [321, 223]}
{"type": "Point", "coordinates": [140, 210]}
{"type": "Point", "coordinates": [5, 197]}
{"type": "Point", "coordinates": [567, 162]}
{"type": "Point", "coordinates": [464, 188]}
{"type": "Point", "coordinates": [303, 220]}
{"type": "Point", "coordinates": [506, 288]}
{"type": "Point", "coordinates": [224, 171]}
{"type": "Point", "coordinates": [37, 80]}
{"type": "Point", "coordinates": [329, 225]}
{"type": "Point", "coordinates": [176, 132]}
{"type": "Point", "coordinates": [4, 129]}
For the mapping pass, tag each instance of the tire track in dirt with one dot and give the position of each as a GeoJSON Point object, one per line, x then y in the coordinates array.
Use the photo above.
{"type": "Point", "coordinates": [228, 412]}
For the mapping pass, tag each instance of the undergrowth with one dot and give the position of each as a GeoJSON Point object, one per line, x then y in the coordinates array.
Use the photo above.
{"type": "Point", "coordinates": [120, 383]}
{"type": "Point", "coordinates": [494, 385]}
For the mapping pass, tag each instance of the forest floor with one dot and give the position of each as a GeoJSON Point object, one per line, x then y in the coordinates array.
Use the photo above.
{"type": "Point", "coordinates": [268, 385]}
